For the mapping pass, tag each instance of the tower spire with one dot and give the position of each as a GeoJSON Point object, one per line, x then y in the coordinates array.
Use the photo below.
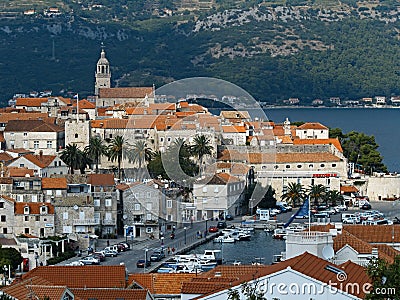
{"type": "Point", "coordinates": [103, 73]}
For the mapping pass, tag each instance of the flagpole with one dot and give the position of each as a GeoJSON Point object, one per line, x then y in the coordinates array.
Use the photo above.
{"type": "Point", "coordinates": [309, 215]}
{"type": "Point", "coordinates": [77, 108]}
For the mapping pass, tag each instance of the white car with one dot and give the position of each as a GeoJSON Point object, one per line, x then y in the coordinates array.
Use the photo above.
{"type": "Point", "coordinates": [89, 260]}
{"type": "Point", "coordinates": [274, 211]}
{"type": "Point", "coordinates": [75, 263]}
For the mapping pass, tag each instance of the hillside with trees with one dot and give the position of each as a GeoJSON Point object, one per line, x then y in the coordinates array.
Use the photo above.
{"type": "Point", "coordinates": [274, 50]}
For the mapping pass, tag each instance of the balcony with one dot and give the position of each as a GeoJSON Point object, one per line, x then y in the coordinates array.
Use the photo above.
{"type": "Point", "coordinates": [109, 222]}
{"type": "Point", "coordinates": [86, 222]}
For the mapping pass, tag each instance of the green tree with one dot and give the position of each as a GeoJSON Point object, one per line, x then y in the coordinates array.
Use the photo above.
{"type": "Point", "coordinates": [384, 277]}
{"type": "Point", "coordinates": [95, 150]}
{"type": "Point", "coordinates": [10, 256]}
{"type": "Point", "coordinates": [248, 291]}
{"type": "Point", "coordinates": [74, 158]}
{"type": "Point", "coordinates": [201, 147]}
{"type": "Point", "coordinates": [268, 200]}
{"type": "Point", "coordinates": [295, 194]}
{"type": "Point", "coordinates": [139, 153]}
{"type": "Point", "coordinates": [155, 166]}
{"type": "Point", "coordinates": [333, 198]}
{"type": "Point", "coordinates": [317, 193]}
{"type": "Point", "coordinates": [116, 150]}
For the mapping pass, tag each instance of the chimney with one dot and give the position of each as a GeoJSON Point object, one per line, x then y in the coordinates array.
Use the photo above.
{"type": "Point", "coordinates": [40, 154]}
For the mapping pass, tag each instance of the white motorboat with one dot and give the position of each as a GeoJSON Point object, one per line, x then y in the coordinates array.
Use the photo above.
{"type": "Point", "coordinates": [224, 239]}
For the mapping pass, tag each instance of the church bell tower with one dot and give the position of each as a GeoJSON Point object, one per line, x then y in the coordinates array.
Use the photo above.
{"type": "Point", "coordinates": [103, 74]}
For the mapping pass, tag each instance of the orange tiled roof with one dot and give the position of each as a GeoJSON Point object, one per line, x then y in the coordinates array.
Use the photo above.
{"type": "Point", "coordinates": [7, 198]}
{"type": "Point", "coordinates": [101, 179]}
{"type": "Point", "coordinates": [32, 126]}
{"type": "Point", "coordinates": [334, 142]}
{"type": "Point", "coordinates": [219, 179]}
{"type": "Point", "coordinates": [348, 189]}
{"type": "Point", "coordinates": [160, 284]}
{"type": "Point", "coordinates": [233, 129]}
{"type": "Point", "coordinates": [375, 234]}
{"type": "Point", "coordinates": [182, 114]}
{"type": "Point", "coordinates": [34, 208]}
{"type": "Point", "coordinates": [233, 114]}
{"type": "Point", "coordinates": [84, 104]}
{"type": "Point", "coordinates": [20, 172]}
{"type": "Point", "coordinates": [126, 92]}
{"type": "Point", "coordinates": [22, 289]}
{"type": "Point", "coordinates": [109, 294]}
{"type": "Point", "coordinates": [314, 125]}
{"type": "Point", "coordinates": [30, 102]}
{"type": "Point", "coordinates": [40, 160]}
{"type": "Point", "coordinates": [54, 183]}
{"type": "Point", "coordinates": [5, 117]}
{"type": "Point", "coordinates": [5, 157]}
{"type": "Point", "coordinates": [81, 276]}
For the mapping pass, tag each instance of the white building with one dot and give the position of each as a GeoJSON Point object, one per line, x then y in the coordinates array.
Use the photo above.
{"type": "Point", "coordinates": [312, 131]}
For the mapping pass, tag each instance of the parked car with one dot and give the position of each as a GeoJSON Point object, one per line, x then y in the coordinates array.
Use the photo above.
{"type": "Point", "coordinates": [108, 253]}
{"type": "Point", "coordinates": [341, 207]}
{"type": "Point", "coordinates": [89, 260]}
{"type": "Point", "coordinates": [126, 246]}
{"type": "Point", "coordinates": [75, 263]}
{"type": "Point", "coordinates": [366, 206]}
{"type": "Point", "coordinates": [157, 255]}
{"type": "Point", "coordinates": [141, 263]}
{"type": "Point", "coordinates": [221, 225]}
{"type": "Point", "coordinates": [212, 229]}
{"type": "Point", "coordinates": [229, 217]}
{"type": "Point", "coordinates": [100, 256]}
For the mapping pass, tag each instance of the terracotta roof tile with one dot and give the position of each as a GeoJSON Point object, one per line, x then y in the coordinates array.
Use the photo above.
{"type": "Point", "coordinates": [375, 234]}
{"type": "Point", "coordinates": [101, 179]}
{"type": "Point", "coordinates": [34, 208]}
{"type": "Point", "coordinates": [20, 172]}
{"type": "Point", "coordinates": [5, 157]}
{"type": "Point", "coordinates": [219, 179]}
{"type": "Point", "coordinates": [30, 102]}
{"type": "Point", "coordinates": [233, 129]}
{"type": "Point", "coordinates": [84, 104]}
{"type": "Point", "coordinates": [348, 189]}
{"type": "Point", "coordinates": [109, 294]}
{"type": "Point", "coordinates": [160, 284]}
{"type": "Point", "coordinates": [31, 126]}
{"type": "Point", "coordinates": [7, 198]}
{"type": "Point", "coordinates": [310, 125]}
{"type": "Point", "coordinates": [81, 276]}
{"type": "Point", "coordinates": [54, 183]}
{"type": "Point", "coordinates": [233, 114]}
{"type": "Point", "coordinates": [334, 142]}
{"type": "Point", "coordinates": [126, 92]}
{"type": "Point", "coordinates": [6, 117]}
{"type": "Point", "coordinates": [40, 160]}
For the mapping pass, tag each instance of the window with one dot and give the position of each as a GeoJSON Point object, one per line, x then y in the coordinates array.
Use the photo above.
{"type": "Point", "coordinates": [43, 209]}
{"type": "Point", "coordinates": [26, 210]}
{"type": "Point", "coordinates": [137, 206]}
{"type": "Point", "coordinates": [3, 219]}
{"type": "Point", "coordinates": [58, 192]}
{"type": "Point", "coordinates": [26, 218]}
{"type": "Point", "coordinates": [108, 202]}
{"type": "Point", "coordinates": [97, 202]}
{"type": "Point", "coordinates": [25, 133]}
{"type": "Point", "coordinates": [149, 229]}
{"type": "Point", "coordinates": [299, 166]}
{"type": "Point", "coordinates": [287, 166]}
{"type": "Point", "coordinates": [35, 144]}
{"type": "Point", "coordinates": [333, 165]}
{"type": "Point", "coordinates": [311, 166]}
{"type": "Point", "coordinates": [148, 217]}
{"type": "Point", "coordinates": [26, 230]}
{"type": "Point", "coordinates": [37, 218]}
{"type": "Point", "coordinates": [169, 203]}
{"type": "Point", "coordinates": [76, 135]}
{"type": "Point", "coordinates": [1, 204]}
{"type": "Point", "coordinates": [49, 144]}
{"type": "Point", "coordinates": [276, 167]}
{"type": "Point", "coordinates": [4, 230]}
{"type": "Point", "coordinates": [322, 165]}
{"type": "Point", "coordinates": [161, 139]}
{"type": "Point", "coordinates": [110, 136]}
{"type": "Point", "coordinates": [148, 195]}
{"type": "Point", "coordinates": [21, 165]}
{"type": "Point", "coordinates": [65, 215]}
{"type": "Point", "coordinates": [169, 139]}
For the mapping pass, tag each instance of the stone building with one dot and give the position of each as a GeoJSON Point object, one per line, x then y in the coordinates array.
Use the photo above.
{"type": "Point", "coordinates": [7, 220]}
{"type": "Point", "coordinates": [33, 218]}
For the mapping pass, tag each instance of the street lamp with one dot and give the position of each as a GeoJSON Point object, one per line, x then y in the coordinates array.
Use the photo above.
{"type": "Point", "coordinates": [145, 260]}
{"type": "Point", "coordinates": [205, 232]}
{"type": "Point", "coordinates": [5, 274]}
{"type": "Point", "coordinates": [184, 228]}
{"type": "Point", "coordinates": [36, 258]}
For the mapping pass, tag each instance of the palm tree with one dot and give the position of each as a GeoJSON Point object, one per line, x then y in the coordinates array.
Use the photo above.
{"type": "Point", "coordinates": [295, 194]}
{"type": "Point", "coordinates": [140, 153]}
{"type": "Point", "coordinates": [95, 150]}
{"type": "Point", "coordinates": [200, 148]}
{"type": "Point", "coordinates": [115, 151]}
{"type": "Point", "coordinates": [74, 158]}
{"type": "Point", "coordinates": [333, 197]}
{"type": "Point", "coordinates": [317, 192]}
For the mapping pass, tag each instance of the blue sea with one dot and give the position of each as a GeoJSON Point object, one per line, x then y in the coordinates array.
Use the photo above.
{"type": "Point", "coordinates": [383, 123]}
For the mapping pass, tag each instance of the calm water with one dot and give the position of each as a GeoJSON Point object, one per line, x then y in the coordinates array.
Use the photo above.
{"type": "Point", "coordinates": [383, 123]}
{"type": "Point", "coordinates": [261, 246]}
